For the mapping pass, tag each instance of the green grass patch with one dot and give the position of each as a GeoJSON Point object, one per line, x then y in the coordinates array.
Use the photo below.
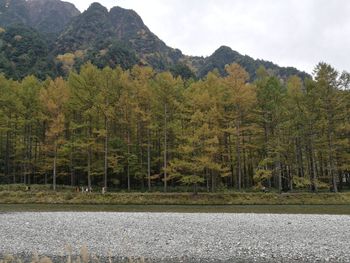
{"type": "Point", "coordinates": [235, 198]}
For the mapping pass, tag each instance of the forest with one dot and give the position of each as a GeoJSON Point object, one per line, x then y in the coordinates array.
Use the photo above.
{"type": "Point", "coordinates": [143, 130]}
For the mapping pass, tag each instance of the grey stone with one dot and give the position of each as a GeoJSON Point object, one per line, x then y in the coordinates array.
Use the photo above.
{"type": "Point", "coordinates": [177, 237]}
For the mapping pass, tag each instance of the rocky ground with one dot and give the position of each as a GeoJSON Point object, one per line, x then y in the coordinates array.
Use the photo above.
{"type": "Point", "coordinates": [177, 237]}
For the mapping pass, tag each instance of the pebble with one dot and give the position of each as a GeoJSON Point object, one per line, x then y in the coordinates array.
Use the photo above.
{"type": "Point", "coordinates": [179, 237]}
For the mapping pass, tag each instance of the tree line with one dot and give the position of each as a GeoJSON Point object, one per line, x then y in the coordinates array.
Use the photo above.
{"type": "Point", "coordinates": [139, 129]}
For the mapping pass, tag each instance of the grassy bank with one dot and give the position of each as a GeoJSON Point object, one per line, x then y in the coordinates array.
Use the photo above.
{"type": "Point", "coordinates": [237, 198]}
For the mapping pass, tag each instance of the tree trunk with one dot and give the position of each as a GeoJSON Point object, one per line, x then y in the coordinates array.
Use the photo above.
{"type": "Point", "coordinates": [279, 165]}
{"type": "Point", "coordinates": [279, 169]}
{"type": "Point", "coordinates": [141, 158]}
{"type": "Point", "coordinates": [14, 149]}
{"type": "Point", "coordinates": [298, 158]}
{"type": "Point", "coordinates": [331, 166]}
{"type": "Point", "coordinates": [105, 178]}
{"type": "Point", "coordinates": [245, 169]}
{"type": "Point", "coordinates": [7, 153]}
{"type": "Point", "coordinates": [89, 166]}
{"type": "Point", "coordinates": [149, 159]}
{"type": "Point", "coordinates": [72, 181]}
{"type": "Point", "coordinates": [89, 153]}
{"type": "Point", "coordinates": [25, 163]}
{"type": "Point", "coordinates": [330, 131]}
{"type": "Point", "coordinates": [290, 176]}
{"type": "Point", "coordinates": [207, 179]}
{"type": "Point", "coordinates": [128, 163]}
{"type": "Point", "coordinates": [35, 160]}
{"type": "Point", "coordinates": [312, 166]}
{"type": "Point", "coordinates": [54, 168]}
{"type": "Point", "coordinates": [165, 147]}
{"type": "Point", "coordinates": [30, 155]}
{"type": "Point", "coordinates": [231, 161]}
{"type": "Point", "coordinates": [195, 189]}
{"type": "Point", "coordinates": [213, 184]}
{"type": "Point", "coordinates": [238, 152]}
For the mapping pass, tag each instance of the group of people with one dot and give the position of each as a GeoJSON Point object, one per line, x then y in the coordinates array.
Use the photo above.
{"type": "Point", "coordinates": [83, 189]}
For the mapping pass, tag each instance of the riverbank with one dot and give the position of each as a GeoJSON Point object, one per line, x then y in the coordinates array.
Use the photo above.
{"type": "Point", "coordinates": [260, 209]}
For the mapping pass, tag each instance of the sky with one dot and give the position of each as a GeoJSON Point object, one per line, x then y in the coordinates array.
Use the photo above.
{"type": "Point", "coordinates": [299, 33]}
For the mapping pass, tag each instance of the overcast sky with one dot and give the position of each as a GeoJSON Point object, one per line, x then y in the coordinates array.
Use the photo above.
{"type": "Point", "coordinates": [297, 33]}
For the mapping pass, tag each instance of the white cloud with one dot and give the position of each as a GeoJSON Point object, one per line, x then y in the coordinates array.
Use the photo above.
{"type": "Point", "coordinates": [289, 32]}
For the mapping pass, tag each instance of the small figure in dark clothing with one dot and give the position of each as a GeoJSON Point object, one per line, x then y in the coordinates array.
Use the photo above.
{"type": "Point", "coordinates": [264, 189]}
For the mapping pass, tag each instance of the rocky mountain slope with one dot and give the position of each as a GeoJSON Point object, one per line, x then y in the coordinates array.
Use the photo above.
{"type": "Point", "coordinates": [97, 29]}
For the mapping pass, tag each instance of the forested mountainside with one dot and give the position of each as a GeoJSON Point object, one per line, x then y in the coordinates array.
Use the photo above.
{"type": "Point", "coordinates": [104, 37]}
{"type": "Point", "coordinates": [46, 16]}
{"type": "Point", "coordinates": [225, 55]}
{"type": "Point", "coordinates": [24, 51]}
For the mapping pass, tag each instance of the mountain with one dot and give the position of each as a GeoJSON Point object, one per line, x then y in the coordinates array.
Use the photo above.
{"type": "Point", "coordinates": [46, 16]}
{"type": "Point", "coordinates": [104, 37]}
{"type": "Point", "coordinates": [97, 29]}
{"type": "Point", "coordinates": [225, 55]}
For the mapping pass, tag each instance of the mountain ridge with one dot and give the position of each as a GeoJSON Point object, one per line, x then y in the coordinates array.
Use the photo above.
{"type": "Point", "coordinates": [115, 36]}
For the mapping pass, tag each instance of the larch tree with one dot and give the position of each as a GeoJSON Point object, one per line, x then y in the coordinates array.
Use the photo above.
{"type": "Point", "coordinates": [168, 90]}
{"type": "Point", "coordinates": [199, 149]}
{"type": "Point", "coordinates": [54, 99]}
{"type": "Point", "coordinates": [239, 99]}
{"type": "Point", "coordinates": [84, 89]}
{"type": "Point", "coordinates": [270, 95]}
{"type": "Point", "coordinates": [28, 95]}
{"type": "Point", "coordinates": [9, 111]}
{"type": "Point", "coordinates": [142, 78]}
{"type": "Point", "coordinates": [326, 79]}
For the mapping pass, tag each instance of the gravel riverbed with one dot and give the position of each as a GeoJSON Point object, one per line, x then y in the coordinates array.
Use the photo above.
{"type": "Point", "coordinates": [177, 237]}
